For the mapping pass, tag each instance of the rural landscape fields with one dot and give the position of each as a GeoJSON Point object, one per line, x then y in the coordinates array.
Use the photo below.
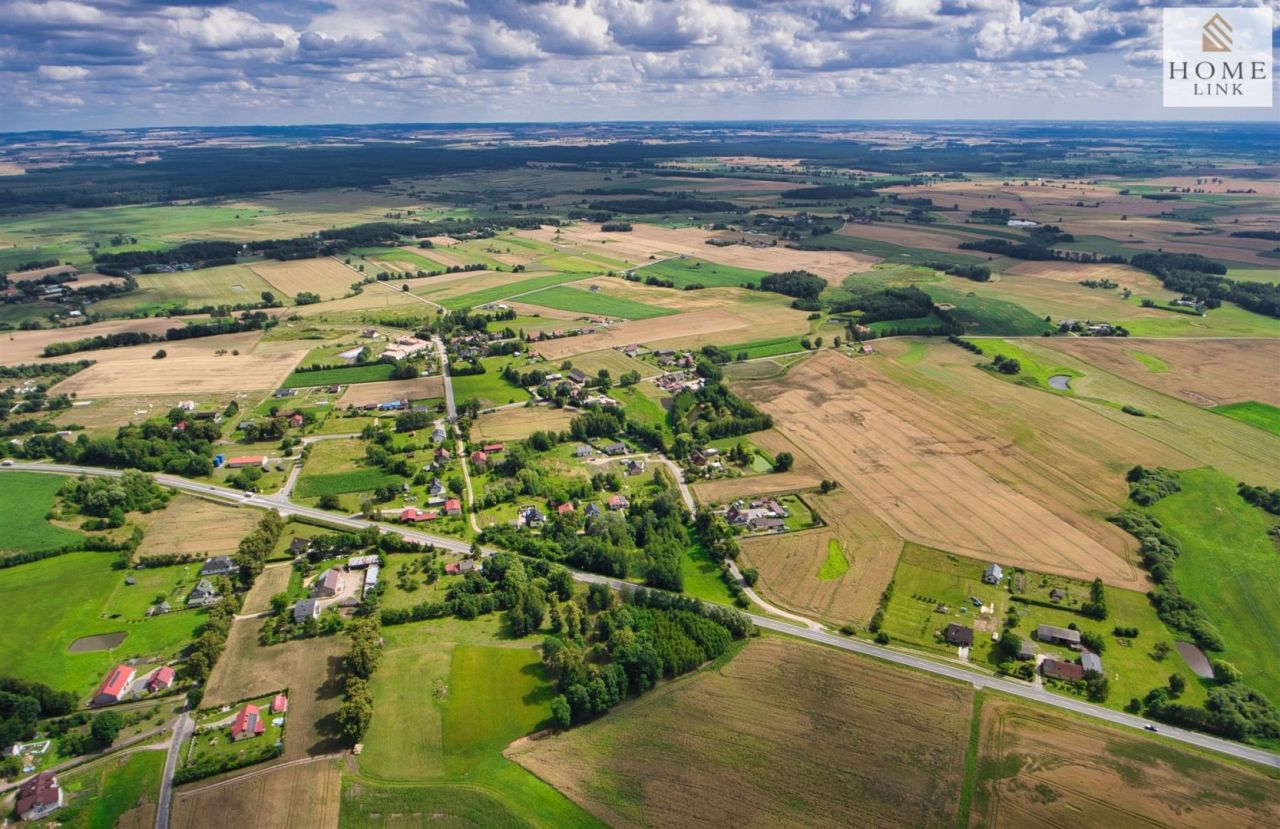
{"type": "Point", "coordinates": [644, 491]}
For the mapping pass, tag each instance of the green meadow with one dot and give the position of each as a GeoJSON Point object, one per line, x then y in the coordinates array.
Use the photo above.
{"type": "Point", "coordinates": [98, 796]}
{"type": "Point", "coordinates": [687, 271]}
{"type": "Point", "coordinates": [506, 290]}
{"type": "Point", "coordinates": [345, 375]}
{"type": "Point", "coordinates": [25, 499]}
{"type": "Point", "coordinates": [565, 298]}
{"type": "Point", "coordinates": [1263, 415]}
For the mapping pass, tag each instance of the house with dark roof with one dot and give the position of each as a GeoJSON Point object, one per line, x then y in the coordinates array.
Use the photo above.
{"type": "Point", "coordinates": [299, 546]}
{"type": "Point", "coordinates": [1065, 671]}
{"type": "Point", "coordinates": [306, 609]}
{"type": "Point", "coordinates": [328, 584]}
{"type": "Point", "coordinates": [1091, 662]}
{"type": "Point", "coordinates": [114, 686]}
{"type": "Point", "coordinates": [203, 594]}
{"type": "Point", "coordinates": [1058, 636]}
{"type": "Point", "coordinates": [39, 796]}
{"type": "Point", "coordinates": [247, 724]}
{"type": "Point", "coordinates": [591, 510]}
{"type": "Point", "coordinates": [993, 574]}
{"type": "Point", "coordinates": [218, 566]}
{"type": "Point", "coordinates": [577, 375]}
{"type": "Point", "coordinates": [532, 515]}
{"type": "Point", "coordinates": [616, 449]}
{"type": "Point", "coordinates": [957, 634]}
{"type": "Point", "coordinates": [583, 451]}
{"type": "Point", "coordinates": [766, 524]}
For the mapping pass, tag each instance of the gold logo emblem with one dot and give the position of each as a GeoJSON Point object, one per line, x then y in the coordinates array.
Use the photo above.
{"type": "Point", "coordinates": [1216, 36]}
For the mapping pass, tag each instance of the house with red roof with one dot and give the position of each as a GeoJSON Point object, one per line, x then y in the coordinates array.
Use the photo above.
{"type": "Point", "coordinates": [617, 502]}
{"type": "Point", "coordinates": [453, 507]}
{"type": "Point", "coordinates": [246, 460]}
{"type": "Point", "coordinates": [39, 796]}
{"type": "Point", "coordinates": [161, 680]}
{"type": "Point", "coordinates": [114, 687]}
{"type": "Point", "coordinates": [248, 723]}
{"type": "Point", "coordinates": [295, 420]}
{"type": "Point", "coordinates": [412, 515]}
{"type": "Point", "coordinates": [494, 448]}
{"type": "Point", "coordinates": [280, 704]}
{"type": "Point", "coordinates": [479, 460]}
{"type": "Point", "coordinates": [565, 508]}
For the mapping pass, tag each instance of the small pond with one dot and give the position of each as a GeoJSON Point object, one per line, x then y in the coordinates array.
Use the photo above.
{"type": "Point", "coordinates": [101, 642]}
{"type": "Point", "coordinates": [1061, 382]}
{"type": "Point", "coordinates": [1195, 659]}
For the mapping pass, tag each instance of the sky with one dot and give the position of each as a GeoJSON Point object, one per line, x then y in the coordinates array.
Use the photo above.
{"type": "Point", "coordinates": [89, 64]}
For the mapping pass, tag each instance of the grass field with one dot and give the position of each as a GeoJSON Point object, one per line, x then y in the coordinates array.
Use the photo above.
{"type": "Point", "coordinates": [575, 299]}
{"type": "Point", "coordinates": [1263, 415]}
{"type": "Point", "coordinates": [40, 623]}
{"type": "Point", "coordinates": [226, 285]}
{"type": "Point", "coordinates": [113, 794]}
{"type": "Point", "coordinates": [1152, 363]}
{"type": "Point", "coordinates": [988, 315]}
{"type": "Point", "coordinates": [490, 388]}
{"type": "Point", "coordinates": [340, 483]}
{"type": "Point", "coordinates": [1230, 567]}
{"type": "Point", "coordinates": [702, 576]}
{"type": "Point", "coordinates": [1034, 370]}
{"type": "Point", "coordinates": [1036, 767]}
{"type": "Point", "coordinates": [783, 734]}
{"type": "Point", "coordinates": [507, 290]}
{"type": "Point", "coordinates": [406, 257]}
{"type": "Point", "coordinates": [371, 373]}
{"type": "Point", "coordinates": [25, 498]}
{"type": "Point", "coordinates": [766, 348]}
{"type": "Point", "coordinates": [835, 565]}
{"type": "Point", "coordinates": [687, 271]}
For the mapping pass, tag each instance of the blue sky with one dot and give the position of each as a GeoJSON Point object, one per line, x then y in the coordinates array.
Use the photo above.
{"type": "Point", "coordinates": [79, 64]}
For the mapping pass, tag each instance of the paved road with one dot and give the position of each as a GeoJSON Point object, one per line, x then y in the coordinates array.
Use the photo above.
{"type": "Point", "coordinates": [978, 680]}
{"type": "Point", "coordinates": [182, 729]}
{"type": "Point", "coordinates": [450, 407]}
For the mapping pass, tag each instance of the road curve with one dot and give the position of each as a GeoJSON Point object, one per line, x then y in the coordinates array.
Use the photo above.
{"type": "Point", "coordinates": [819, 636]}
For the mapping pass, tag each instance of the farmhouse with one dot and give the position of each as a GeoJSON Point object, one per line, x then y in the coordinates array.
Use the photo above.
{"type": "Point", "coordinates": [1090, 661]}
{"type": "Point", "coordinates": [578, 376]}
{"type": "Point", "coordinates": [248, 723]}
{"type": "Point", "coordinates": [764, 524]}
{"type": "Point", "coordinates": [458, 568]}
{"type": "Point", "coordinates": [583, 451]}
{"type": "Point", "coordinates": [161, 680]}
{"type": "Point", "coordinates": [617, 502]}
{"type": "Point", "coordinates": [957, 634]}
{"type": "Point", "coordinates": [634, 467]}
{"type": "Point", "coordinates": [39, 796]}
{"type": "Point", "coordinates": [616, 449]}
{"type": "Point", "coordinates": [993, 574]}
{"type": "Point", "coordinates": [453, 507]}
{"type": "Point", "coordinates": [114, 687]}
{"type": "Point", "coordinates": [532, 515]}
{"type": "Point", "coordinates": [279, 704]}
{"type": "Point", "coordinates": [592, 510]}
{"type": "Point", "coordinates": [479, 460]}
{"type": "Point", "coordinates": [247, 460]}
{"type": "Point", "coordinates": [203, 594]}
{"type": "Point", "coordinates": [328, 584]}
{"type": "Point", "coordinates": [218, 566]}
{"type": "Point", "coordinates": [306, 609]}
{"type": "Point", "coordinates": [1058, 636]}
{"type": "Point", "coordinates": [1066, 671]}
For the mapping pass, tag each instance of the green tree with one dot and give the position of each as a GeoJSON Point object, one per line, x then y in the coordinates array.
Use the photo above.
{"type": "Point", "coordinates": [106, 727]}
{"type": "Point", "coordinates": [356, 709]}
{"type": "Point", "coordinates": [783, 461]}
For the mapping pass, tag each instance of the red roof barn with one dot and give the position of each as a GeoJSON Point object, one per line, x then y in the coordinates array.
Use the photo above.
{"type": "Point", "coordinates": [114, 686]}
{"type": "Point", "coordinates": [494, 448]}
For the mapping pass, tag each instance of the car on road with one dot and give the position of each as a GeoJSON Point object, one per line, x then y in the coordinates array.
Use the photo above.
{"type": "Point", "coordinates": [6, 462]}
{"type": "Point", "coordinates": [1150, 727]}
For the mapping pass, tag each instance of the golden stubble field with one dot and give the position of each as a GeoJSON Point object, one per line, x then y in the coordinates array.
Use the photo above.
{"type": "Point", "coordinates": [785, 734]}
{"type": "Point", "coordinates": [1038, 768]}
{"type": "Point", "coordinates": [220, 528]}
{"type": "Point", "coordinates": [519, 423]}
{"type": "Point", "coordinates": [328, 277]}
{"type": "Point", "coordinates": [939, 481]}
{"type": "Point", "coordinates": [303, 796]}
{"type": "Point", "coordinates": [419, 388]}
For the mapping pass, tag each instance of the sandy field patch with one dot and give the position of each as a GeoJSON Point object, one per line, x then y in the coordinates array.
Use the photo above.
{"type": "Point", "coordinates": [420, 388]}
{"type": "Point", "coordinates": [305, 796]}
{"type": "Point", "coordinates": [1040, 768]}
{"type": "Point", "coordinates": [519, 423]}
{"type": "Point", "coordinates": [1203, 372]}
{"type": "Point", "coordinates": [192, 369]}
{"type": "Point", "coordinates": [752, 744]}
{"type": "Point", "coordinates": [691, 328]}
{"type": "Point", "coordinates": [329, 278]}
{"type": "Point", "coordinates": [927, 485]}
{"type": "Point", "coordinates": [220, 528]}
{"type": "Point", "coordinates": [26, 346]}
{"type": "Point", "coordinates": [309, 668]}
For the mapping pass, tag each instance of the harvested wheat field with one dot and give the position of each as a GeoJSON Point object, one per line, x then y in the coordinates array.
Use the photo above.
{"type": "Point", "coordinates": [191, 367]}
{"type": "Point", "coordinates": [1204, 372]}
{"type": "Point", "coordinates": [907, 236]}
{"type": "Point", "coordinates": [327, 277]}
{"type": "Point", "coordinates": [221, 528]}
{"type": "Point", "coordinates": [895, 450]}
{"type": "Point", "coordinates": [419, 388]}
{"type": "Point", "coordinates": [273, 579]}
{"type": "Point", "coordinates": [303, 796]}
{"type": "Point", "coordinates": [309, 668]}
{"type": "Point", "coordinates": [806, 574]}
{"type": "Point", "coordinates": [519, 423]}
{"type": "Point", "coordinates": [372, 298]}
{"type": "Point", "coordinates": [1075, 272]}
{"type": "Point", "coordinates": [1039, 768]}
{"type": "Point", "coordinates": [785, 734]}
{"type": "Point", "coordinates": [27, 346]}
{"type": "Point", "coordinates": [692, 328]}
{"type": "Point", "coordinates": [804, 473]}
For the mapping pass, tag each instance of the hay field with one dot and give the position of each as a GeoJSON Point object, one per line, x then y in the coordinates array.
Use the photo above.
{"type": "Point", "coordinates": [309, 668]}
{"type": "Point", "coordinates": [782, 735]}
{"type": "Point", "coordinates": [329, 278]}
{"type": "Point", "coordinates": [26, 346]}
{"type": "Point", "coordinates": [1074, 272]}
{"type": "Point", "coordinates": [905, 235]}
{"type": "Point", "coordinates": [305, 796]}
{"type": "Point", "coordinates": [220, 528]}
{"type": "Point", "coordinates": [419, 388]}
{"type": "Point", "coordinates": [1204, 372]}
{"type": "Point", "coordinates": [790, 563]}
{"type": "Point", "coordinates": [192, 369]}
{"type": "Point", "coordinates": [519, 423]}
{"type": "Point", "coordinates": [1040, 768]}
{"type": "Point", "coordinates": [615, 361]}
{"type": "Point", "coordinates": [693, 327]}
{"type": "Point", "coordinates": [226, 285]}
{"type": "Point", "coordinates": [895, 451]}
{"type": "Point", "coordinates": [646, 240]}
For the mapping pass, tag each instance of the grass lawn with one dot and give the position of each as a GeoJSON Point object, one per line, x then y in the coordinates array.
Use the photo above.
{"type": "Point", "coordinates": [575, 299]}
{"type": "Point", "coordinates": [508, 290]}
{"type": "Point", "coordinates": [685, 271]}
{"type": "Point", "coordinates": [25, 498]}
{"type": "Point", "coordinates": [639, 402]}
{"type": "Point", "coordinates": [1231, 568]}
{"type": "Point", "coordinates": [40, 623]}
{"type": "Point", "coordinates": [836, 564]}
{"type": "Point", "coordinates": [496, 696]}
{"type": "Point", "coordinates": [490, 388]}
{"type": "Point", "coordinates": [371, 373]}
{"type": "Point", "coordinates": [98, 796]}
{"type": "Point", "coordinates": [213, 733]}
{"type": "Point", "coordinates": [1263, 415]}
{"type": "Point", "coordinates": [340, 483]}
{"type": "Point", "coordinates": [702, 576]}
